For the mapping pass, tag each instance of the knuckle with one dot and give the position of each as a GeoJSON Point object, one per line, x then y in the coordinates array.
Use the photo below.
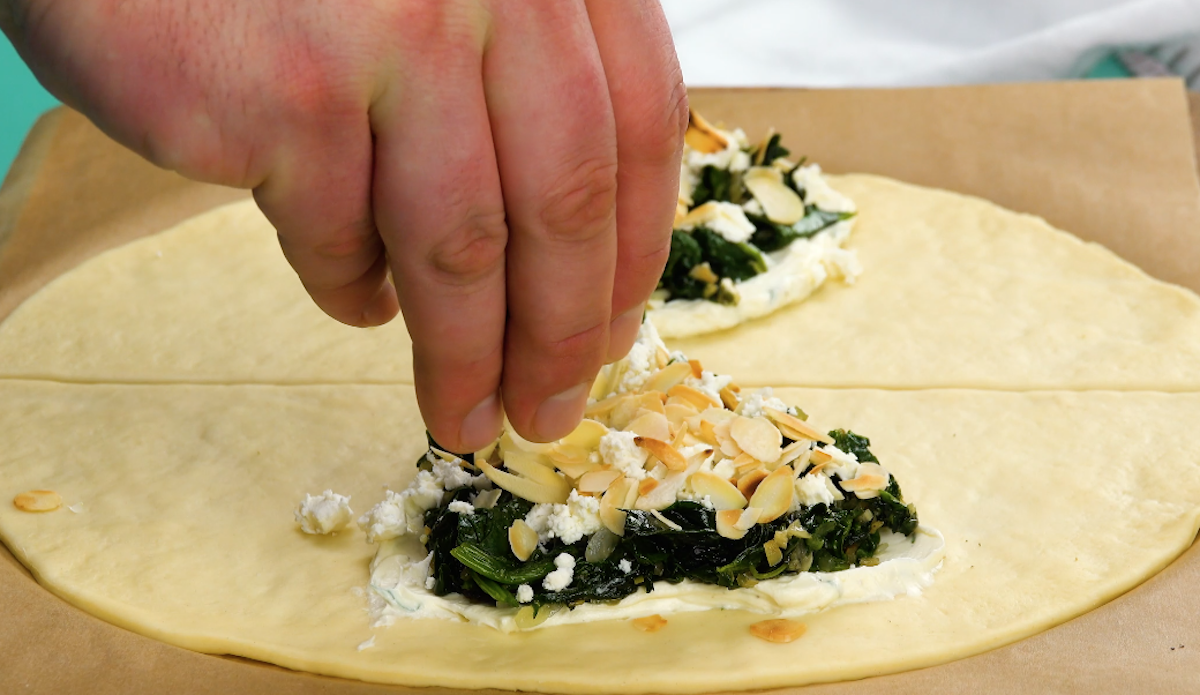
{"type": "Point", "coordinates": [584, 346]}
{"type": "Point", "coordinates": [656, 134]}
{"type": "Point", "coordinates": [471, 251]}
{"type": "Point", "coordinates": [581, 206]}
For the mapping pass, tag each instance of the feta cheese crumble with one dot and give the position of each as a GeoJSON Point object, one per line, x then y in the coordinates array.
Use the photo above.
{"type": "Point", "coordinates": [524, 593]}
{"type": "Point", "coordinates": [560, 578]}
{"type": "Point", "coordinates": [325, 513]}
{"type": "Point", "coordinates": [460, 507]}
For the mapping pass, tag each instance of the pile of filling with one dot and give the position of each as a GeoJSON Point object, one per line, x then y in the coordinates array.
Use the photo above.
{"type": "Point", "coordinates": [676, 475]}
{"type": "Point", "coordinates": [741, 211]}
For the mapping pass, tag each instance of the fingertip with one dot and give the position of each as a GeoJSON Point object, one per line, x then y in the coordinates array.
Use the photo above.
{"type": "Point", "coordinates": [560, 414]}
{"type": "Point", "coordinates": [482, 425]}
{"type": "Point", "coordinates": [623, 331]}
{"type": "Point", "coordinates": [381, 308]}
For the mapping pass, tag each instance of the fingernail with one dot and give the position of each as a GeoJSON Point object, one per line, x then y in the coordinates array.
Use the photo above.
{"type": "Point", "coordinates": [622, 332]}
{"type": "Point", "coordinates": [382, 307]}
{"type": "Point", "coordinates": [558, 415]}
{"type": "Point", "coordinates": [482, 424]}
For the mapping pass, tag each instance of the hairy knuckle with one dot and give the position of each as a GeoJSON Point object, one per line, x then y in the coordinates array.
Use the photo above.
{"type": "Point", "coordinates": [581, 206]}
{"type": "Point", "coordinates": [472, 250]}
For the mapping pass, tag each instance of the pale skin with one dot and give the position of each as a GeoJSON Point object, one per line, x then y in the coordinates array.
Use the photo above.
{"type": "Point", "coordinates": [513, 163]}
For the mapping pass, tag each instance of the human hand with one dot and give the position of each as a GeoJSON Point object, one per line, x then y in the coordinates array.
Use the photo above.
{"type": "Point", "coordinates": [514, 163]}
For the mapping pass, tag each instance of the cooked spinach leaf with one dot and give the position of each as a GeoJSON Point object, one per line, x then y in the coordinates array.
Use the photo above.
{"type": "Point", "coordinates": [716, 184]}
{"type": "Point", "coordinates": [771, 151]}
{"type": "Point", "coordinates": [770, 236]}
{"type": "Point", "coordinates": [472, 557]}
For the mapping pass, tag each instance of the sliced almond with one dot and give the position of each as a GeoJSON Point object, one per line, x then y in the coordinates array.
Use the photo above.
{"type": "Point", "coordinates": [727, 520]}
{"type": "Point", "coordinates": [679, 435]}
{"type": "Point", "coordinates": [773, 552]}
{"type": "Point", "coordinates": [612, 505]}
{"type": "Point", "coordinates": [597, 481]}
{"type": "Point", "coordinates": [533, 466]}
{"type": "Point", "coordinates": [780, 203]}
{"type": "Point", "coordinates": [511, 440]}
{"type": "Point", "coordinates": [653, 401]}
{"type": "Point", "coordinates": [719, 491]}
{"type": "Point", "coordinates": [707, 432]}
{"type": "Point", "coordinates": [697, 368]}
{"type": "Point", "coordinates": [586, 435]}
{"type": "Point", "coordinates": [650, 623]}
{"type": "Point", "coordinates": [757, 437]}
{"type": "Point", "coordinates": [575, 461]}
{"type": "Point", "coordinates": [651, 425]}
{"type": "Point", "coordinates": [779, 630]}
{"type": "Point", "coordinates": [663, 451]}
{"type": "Point", "coordinates": [678, 414]}
{"type": "Point", "coordinates": [555, 492]}
{"type": "Point", "coordinates": [702, 136]}
{"type": "Point", "coordinates": [798, 426]}
{"type": "Point", "coordinates": [725, 440]}
{"type": "Point", "coordinates": [522, 539]}
{"type": "Point", "coordinates": [774, 495]}
{"type": "Point", "coordinates": [821, 457]}
{"type": "Point", "coordinates": [698, 398]}
{"type": "Point", "coordinates": [663, 494]}
{"type": "Point", "coordinates": [748, 518]}
{"type": "Point", "coordinates": [661, 357]}
{"type": "Point", "coordinates": [729, 399]}
{"type": "Point", "coordinates": [668, 376]}
{"type": "Point", "coordinates": [793, 452]}
{"type": "Point", "coordinates": [600, 410]}
{"type": "Point", "coordinates": [485, 454]}
{"type": "Point", "coordinates": [38, 501]}
{"type": "Point", "coordinates": [646, 485]}
{"type": "Point", "coordinates": [749, 482]}
{"type": "Point", "coordinates": [743, 463]}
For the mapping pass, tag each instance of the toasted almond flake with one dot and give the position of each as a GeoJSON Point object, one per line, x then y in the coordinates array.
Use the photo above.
{"type": "Point", "coordinates": [695, 396]}
{"type": "Point", "coordinates": [573, 460]}
{"type": "Point", "coordinates": [780, 203]}
{"type": "Point", "coordinates": [646, 485]}
{"type": "Point", "coordinates": [749, 482]}
{"type": "Point", "coordinates": [586, 435]}
{"type": "Point", "coordinates": [725, 440]}
{"type": "Point", "coordinates": [744, 463]}
{"type": "Point", "coordinates": [774, 495]}
{"type": "Point", "coordinates": [679, 435]}
{"type": "Point", "coordinates": [485, 454]}
{"type": "Point", "coordinates": [821, 457]}
{"type": "Point", "coordinates": [678, 414]}
{"type": "Point", "coordinates": [779, 630]}
{"type": "Point", "coordinates": [653, 401]}
{"type": "Point", "coordinates": [757, 437]}
{"type": "Point", "coordinates": [613, 503]}
{"type": "Point", "coordinates": [865, 483]}
{"type": "Point", "coordinates": [727, 520]}
{"type": "Point", "coordinates": [651, 425]}
{"type": "Point", "coordinates": [522, 539]}
{"type": "Point", "coordinates": [748, 518]}
{"type": "Point", "coordinates": [794, 452]}
{"type": "Point", "coordinates": [663, 451]}
{"type": "Point", "coordinates": [510, 440]}
{"type": "Point", "coordinates": [604, 407]}
{"type": "Point", "coordinates": [668, 376]}
{"type": "Point", "coordinates": [774, 554]}
{"type": "Point", "coordinates": [38, 501]}
{"type": "Point", "coordinates": [729, 398]}
{"type": "Point", "coordinates": [697, 368]}
{"type": "Point", "coordinates": [650, 623]}
{"type": "Point", "coordinates": [707, 432]}
{"type": "Point", "coordinates": [798, 426]}
{"type": "Point", "coordinates": [719, 491]}
{"type": "Point", "coordinates": [597, 481]}
{"type": "Point", "coordinates": [661, 357]}
{"type": "Point", "coordinates": [702, 136]}
{"type": "Point", "coordinates": [553, 492]}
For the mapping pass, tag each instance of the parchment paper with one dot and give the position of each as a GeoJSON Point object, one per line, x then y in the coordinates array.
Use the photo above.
{"type": "Point", "coordinates": [1112, 162]}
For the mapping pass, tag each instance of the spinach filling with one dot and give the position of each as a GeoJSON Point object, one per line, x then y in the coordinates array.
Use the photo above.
{"type": "Point", "coordinates": [472, 556]}
{"type": "Point", "coordinates": [701, 259]}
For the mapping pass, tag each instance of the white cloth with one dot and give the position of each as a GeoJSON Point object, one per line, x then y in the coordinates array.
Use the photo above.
{"type": "Point", "coordinates": [828, 43]}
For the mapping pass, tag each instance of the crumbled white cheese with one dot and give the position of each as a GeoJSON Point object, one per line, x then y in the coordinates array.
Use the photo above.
{"type": "Point", "coordinates": [722, 160]}
{"type": "Point", "coordinates": [579, 517]}
{"type": "Point", "coordinates": [817, 190]}
{"type": "Point", "coordinates": [524, 593]}
{"type": "Point", "coordinates": [327, 512]}
{"type": "Point", "coordinates": [625, 566]}
{"type": "Point", "coordinates": [452, 475]}
{"type": "Point", "coordinates": [844, 464]}
{"type": "Point", "coordinates": [403, 512]}
{"type": "Point", "coordinates": [460, 507]}
{"type": "Point", "coordinates": [639, 365]}
{"type": "Point", "coordinates": [560, 578]}
{"type": "Point", "coordinates": [727, 219]}
{"type": "Point", "coordinates": [618, 450]}
{"type": "Point", "coordinates": [752, 403]}
{"type": "Point", "coordinates": [709, 383]}
{"type": "Point", "coordinates": [740, 161]}
{"type": "Point", "coordinates": [753, 207]}
{"type": "Point", "coordinates": [816, 488]}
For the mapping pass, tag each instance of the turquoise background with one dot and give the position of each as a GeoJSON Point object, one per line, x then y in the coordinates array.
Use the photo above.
{"type": "Point", "coordinates": [22, 99]}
